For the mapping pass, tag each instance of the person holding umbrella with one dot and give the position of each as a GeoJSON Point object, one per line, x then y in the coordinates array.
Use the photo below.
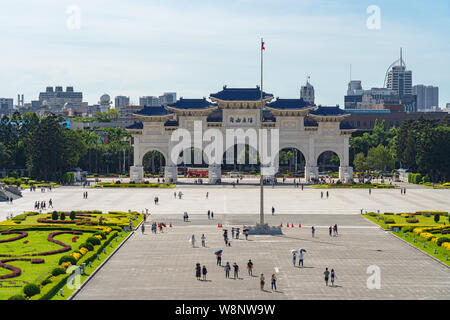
{"type": "Point", "coordinates": [219, 257]}
{"type": "Point", "coordinates": [294, 256]}
{"type": "Point", "coordinates": [300, 257]}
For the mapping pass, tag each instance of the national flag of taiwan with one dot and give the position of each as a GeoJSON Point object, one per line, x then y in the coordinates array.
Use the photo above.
{"type": "Point", "coordinates": [262, 45]}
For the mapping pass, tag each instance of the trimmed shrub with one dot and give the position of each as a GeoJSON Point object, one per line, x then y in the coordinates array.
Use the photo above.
{"type": "Point", "coordinates": [117, 182]}
{"type": "Point", "coordinates": [47, 281]}
{"type": "Point", "coordinates": [72, 215]}
{"type": "Point", "coordinates": [372, 214]}
{"type": "Point", "coordinates": [70, 259]}
{"type": "Point", "coordinates": [17, 297]}
{"type": "Point", "coordinates": [54, 215]}
{"type": "Point", "coordinates": [100, 233]}
{"type": "Point", "coordinates": [86, 245]}
{"type": "Point", "coordinates": [58, 271]}
{"type": "Point", "coordinates": [437, 217]}
{"type": "Point", "coordinates": [441, 240]}
{"type": "Point", "coordinates": [63, 216]}
{"type": "Point", "coordinates": [31, 289]}
{"type": "Point", "coordinates": [94, 241]}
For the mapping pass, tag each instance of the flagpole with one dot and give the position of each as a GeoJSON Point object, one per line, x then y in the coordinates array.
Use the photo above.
{"type": "Point", "coordinates": [261, 205]}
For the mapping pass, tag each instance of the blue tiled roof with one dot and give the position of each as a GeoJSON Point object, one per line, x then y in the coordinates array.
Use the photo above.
{"type": "Point", "coordinates": [268, 116]}
{"type": "Point", "coordinates": [289, 104]}
{"type": "Point", "coordinates": [136, 125]}
{"type": "Point", "coordinates": [215, 116]}
{"type": "Point", "coordinates": [328, 111]}
{"type": "Point", "coordinates": [192, 104]}
{"type": "Point", "coordinates": [171, 123]}
{"type": "Point", "coordinates": [240, 94]}
{"type": "Point", "coordinates": [153, 111]}
{"type": "Point", "coordinates": [310, 122]}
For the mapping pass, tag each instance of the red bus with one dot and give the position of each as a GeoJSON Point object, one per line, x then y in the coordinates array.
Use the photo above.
{"type": "Point", "coordinates": [197, 172]}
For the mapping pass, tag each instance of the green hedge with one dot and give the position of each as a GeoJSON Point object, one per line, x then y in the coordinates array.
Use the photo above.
{"type": "Point", "coordinates": [415, 178]}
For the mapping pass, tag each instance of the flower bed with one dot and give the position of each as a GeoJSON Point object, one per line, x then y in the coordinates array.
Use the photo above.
{"type": "Point", "coordinates": [22, 234]}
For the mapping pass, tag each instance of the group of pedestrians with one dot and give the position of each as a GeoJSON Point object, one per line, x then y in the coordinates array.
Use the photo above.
{"type": "Point", "coordinates": [38, 205]}
{"type": "Point", "coordinates": [322, 195]}
{"type": "Point", "coordinates": [297, 184]}
{"type": "Point", "coordinates": [203, 239]}
{"type": "Point", "coordinates": [9, 199]}
{"type": "Point", "coordinates": [333, 230]}
{"type": "Point", "coordinates": [329, 276]}
{"type": "Point", "coordinates": [200, 272]}
{"type": "Point", "coordinates": [85, 195]}
{"type": "Point", "coordinates": [403, 191]}
{"type": "Point", "coordinates": [210, 212]}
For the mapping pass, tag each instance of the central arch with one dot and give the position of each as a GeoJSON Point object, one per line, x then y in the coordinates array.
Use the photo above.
{"type": "Point", "coordinates": [291, 161]}
{"type": "Point", "coordinates": [154, 162]}
{"type": "Point", "coordinates": [242, 158]}
{"type": "Point", "coordinates": [328, 161]}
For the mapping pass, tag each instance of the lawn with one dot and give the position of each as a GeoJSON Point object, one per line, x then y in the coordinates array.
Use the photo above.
{"type": "Point", "coordinates": [419, 233]}
{"type": "Point", "coordinates": [355, 186]}
{"type": "Point", "coordinates": [33, 241]}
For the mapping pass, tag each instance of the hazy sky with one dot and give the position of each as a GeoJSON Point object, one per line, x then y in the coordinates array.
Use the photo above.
{"type": "Point", "coordinates": [194, 47]}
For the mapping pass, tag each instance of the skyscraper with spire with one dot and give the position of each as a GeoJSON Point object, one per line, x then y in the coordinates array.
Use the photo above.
{"type": "Point", "coordinates": [398, 78]}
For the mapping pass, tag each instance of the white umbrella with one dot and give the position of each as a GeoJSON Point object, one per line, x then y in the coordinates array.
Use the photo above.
{"type": "Point", "coordinates": [294, 251]}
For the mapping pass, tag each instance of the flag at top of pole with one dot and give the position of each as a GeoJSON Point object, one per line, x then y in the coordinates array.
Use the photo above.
{"type": "Point", "coordinates": [262, 45]}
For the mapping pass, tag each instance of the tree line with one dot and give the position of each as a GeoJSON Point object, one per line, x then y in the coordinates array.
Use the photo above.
{"type": "Point", "coordinates": [47, 149]}
{"type": "Point", "coordinates": [421, 145]}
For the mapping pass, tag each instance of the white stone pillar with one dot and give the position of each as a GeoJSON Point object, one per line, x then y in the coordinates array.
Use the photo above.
{"type": "Point", "coordinates": [311, 172]}
{"type": "Point", "coordinates": [214, 173]}
{"type": "Point", "coordinates": [268, 172]}
{"type": "Point", "coordinates": [171, 173]}
{"type": "Point", "coordinates": [346, 174]}
{"type": "Point", "coordinates": [137, 174]}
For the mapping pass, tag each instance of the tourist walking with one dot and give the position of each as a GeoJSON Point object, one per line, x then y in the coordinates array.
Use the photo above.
{"type": "Point", "coordinates": [193, 241]}
{"type": "Point", "coordinates": [326, 274]}
{"type": "Point", "coordinates": [274, 282]}
{"type": "Point", "coordinates": [246, 234]}
{"type": "Point", "coordinates": [332, 277]}
{"type": "Point", "coordinates": [203, 240]}
{"type": "Point", "coordinates": [294, 257]}
{"type": "Point", "coordinates": [219, 259]}
{"type": "Point", "coordinates": [236, 270]}
{"type": "Point", "coordinates": [250, 267]}
{"type": "Point", "coordinates": [262, 281]}
{"type": "Point", "coordinates": [370, 191]}
{"type": "Point", "coordinates": [300, 258]}
{"type": "Point", "coordinates": [204, 272]}
{"type": "Point", "coordinates": [327, 194]}
{"type": "Point", "coordinates": [198, 271]}
{"type": "Point", "coordinates": [336, 229]}
{"type": "Point", "coordinates": [321, 194]}
{"type": "Point", "coordinates": [50, 203]}
{"type": "Point", "coordinates": [273, 210]}
{"type": "Point", "coordinates": [207, 193]}
{"type": "Point", "coordinates": [313, 231]}
{"type": "Point", "coordinates": [330, 229]}
{"type": "Point", "coordinates": [237, 233]}
{"type": "Point", "coordinates": [209, 214]}
{"type": "Point", "coordinates": [232, 233]}
{"type": "Point", "coordinates": [212, 215]}
{"type": "Point", "coordinates": [227, 270]}
{"type": "Point", "coordinates": [175, 195]}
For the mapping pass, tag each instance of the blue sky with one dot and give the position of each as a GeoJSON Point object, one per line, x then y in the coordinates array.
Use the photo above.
{"type": "Point", "coordinates": [194, 47]}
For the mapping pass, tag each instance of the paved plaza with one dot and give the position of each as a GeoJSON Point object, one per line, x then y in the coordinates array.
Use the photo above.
{"type": "Point", "coordinates": [161, 266]}
{"type": "Point", "coordinates": [244, 199]}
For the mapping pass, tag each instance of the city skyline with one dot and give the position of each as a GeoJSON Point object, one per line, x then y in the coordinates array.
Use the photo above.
{"type": "Point", "coordinates": [140, 49]}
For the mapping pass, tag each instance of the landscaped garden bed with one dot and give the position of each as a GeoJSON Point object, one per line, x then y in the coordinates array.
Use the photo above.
{"type": "Point", "coordinates": [427, 230]}
{"type": "Point", "coordinates": [118, 184]}
{"type": "Point", "coordinates": [37, 258]}
{"type": "Point", "coordinates": [355, 185]}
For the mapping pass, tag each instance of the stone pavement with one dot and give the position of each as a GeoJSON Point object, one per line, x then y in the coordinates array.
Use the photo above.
{"type": "Point", "coordinates": [161, 266]}
{"type": "Point", "coordinates": [240, 200]}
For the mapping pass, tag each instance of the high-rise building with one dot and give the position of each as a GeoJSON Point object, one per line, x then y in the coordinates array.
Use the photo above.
{"type": "Point", "coordinates": [398, 78]}
{"type": "Point", "coordinates": [307, 92]}
{"type": "Point", "coordinates": [167, 98]}
{"type": "Point", "coordinates": [149, 101]}
{"type": "Point", "coordinates": [6, 106]}
{"type": "Point", "coordinates": [57, 98]}
{"type": "Point", "coordinates": [121, 102]}
{"type": "Point", "coordinates": [427, 97]}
